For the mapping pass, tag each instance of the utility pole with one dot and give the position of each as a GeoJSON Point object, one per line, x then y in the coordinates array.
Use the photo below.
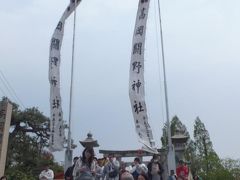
{"type": "Point", "coordinates": [171, 151]}
{"type": "Point", "coordinates": [69, 152]}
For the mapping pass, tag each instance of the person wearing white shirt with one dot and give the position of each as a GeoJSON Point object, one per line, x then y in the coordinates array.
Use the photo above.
{"type": "Point", "coordinates": [111, 169]}
{"type": "Point", "coordinates": [85, 167]}
{"type": "Point", "coordinates": [46, 174]}
{"type": "Point", "coordinates": [138, 168]}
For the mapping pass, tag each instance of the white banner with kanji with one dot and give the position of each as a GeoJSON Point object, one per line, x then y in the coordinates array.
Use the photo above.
{"type": "Point", "coordinates": [136, 79]}
{"type": "Point", "coordinates": [57, 136]}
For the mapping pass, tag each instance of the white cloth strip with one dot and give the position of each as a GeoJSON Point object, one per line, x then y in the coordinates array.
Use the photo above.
{"type": "Point", "coordinates": [136, 79]}
{"type": "Point", "coordinates": [57, 136]}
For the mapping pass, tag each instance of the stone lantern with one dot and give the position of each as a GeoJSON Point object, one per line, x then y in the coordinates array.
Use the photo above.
{"type": "Point", "coordinates": [179, 141]}
{"type": "Point", "coordinates": [89, 142]}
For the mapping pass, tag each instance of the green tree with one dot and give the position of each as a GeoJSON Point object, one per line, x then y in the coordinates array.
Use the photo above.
{"type": "Point", "coordinates": [210, 167]}
{"type": "Point", "coordinates": [233, 166]}
{"type": "Point", "coordinates": [191, 156]}
{"type": "Point", "coordinates": [190, 153]}
{"type": "Point", "coordinates": [28, 141]}
{"type": "Point", "coordinates": [176, 127]}
{"type": "Point", "coordinates": [204, 161]}
{"type": "Point", "coordinates": [204, 148]}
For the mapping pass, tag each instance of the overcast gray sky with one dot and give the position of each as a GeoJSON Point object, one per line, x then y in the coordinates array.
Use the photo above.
{"type": "Point", "coordinates": [202, 61]}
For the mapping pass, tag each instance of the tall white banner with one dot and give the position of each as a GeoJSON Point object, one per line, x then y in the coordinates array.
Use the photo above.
{"type": "Point", "coordinates": [57, 136]}
{"type": "Point", "coordinates": [136, 79]}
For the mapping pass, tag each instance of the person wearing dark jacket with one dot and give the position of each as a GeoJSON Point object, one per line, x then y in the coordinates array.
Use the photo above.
{"type": "Point", "coordinates": [155, 169]}
{"type": "Point", "coordinates": [68, 174]}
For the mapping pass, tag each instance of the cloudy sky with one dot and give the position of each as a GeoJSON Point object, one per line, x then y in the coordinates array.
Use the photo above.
{"type": "Point", "coordinates": [202, 62]}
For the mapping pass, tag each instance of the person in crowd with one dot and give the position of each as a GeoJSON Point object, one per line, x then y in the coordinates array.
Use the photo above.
{"type": "Point", "coordinates": [85, 167]}
{"type": "Point", "coordinates": [102, 161]}
{"type": "Point", "coordinates": [155, 169]}
{"type": "Point", "coordinates": [182, 171]}
{"type": "Point", "coordinates": [111, 169]}
{"type": "Point", "coordinates": [172, 176]}
{"type": "Point", "coordinates": [3, 178]}
{"type": "Point", "coordinates": [142, 177]}
{"type": "Point", "coordinates": [122, 168]}
{"type": "Point", "coordinates": [69, 173]}
{"type": "Point", "coordinates": [99, 170]}
{"type": "Point", "coordinates": [46, 174]}
{"type": "Point", "coordinates": [138, 168]}
{"type": "Point", "coordinates": [126, 176]}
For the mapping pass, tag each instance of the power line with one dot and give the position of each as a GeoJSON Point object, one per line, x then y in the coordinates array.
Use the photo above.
{"type": "Point", "coordinates": [7, 89]}
{"type": "Point", "coordinates": [10, 89]}
{"type": "Point", "coordinates": [4, 94]}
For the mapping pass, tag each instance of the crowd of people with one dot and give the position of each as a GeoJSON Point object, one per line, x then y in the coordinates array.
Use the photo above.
{"type": "Point", "coordinates": [88, 167]}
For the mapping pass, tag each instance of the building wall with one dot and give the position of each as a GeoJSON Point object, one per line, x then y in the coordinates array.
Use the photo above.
{"type": "Point", "coordinates": [5, 119]}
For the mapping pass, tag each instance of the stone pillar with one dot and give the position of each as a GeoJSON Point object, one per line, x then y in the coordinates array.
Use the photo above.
{"type": "Point", "coordinates": [179, 141]}
{"type": "Point", "coordinates": [5, 120]}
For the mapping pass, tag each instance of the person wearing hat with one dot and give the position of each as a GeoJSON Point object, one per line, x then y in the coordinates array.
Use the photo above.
{"type": "Point", "coordinates": [182, 171]}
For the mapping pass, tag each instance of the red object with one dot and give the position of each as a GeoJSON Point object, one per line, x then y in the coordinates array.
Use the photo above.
{"type": "Point", "coordinates": [59, 176]}
{"type": "Point", "coordinates": [182, 172]}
